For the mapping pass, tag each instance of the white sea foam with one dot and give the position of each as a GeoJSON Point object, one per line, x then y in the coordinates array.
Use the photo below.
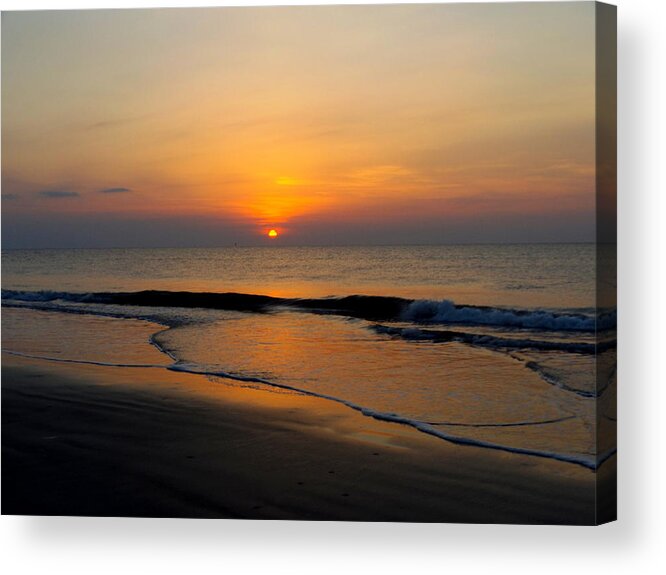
{"type": "Point", "coordinates": [446, 311]}
{"type": "Point", "coordinates": [589, 461]}
{"type": "Point", "coordinates": [422, 310]}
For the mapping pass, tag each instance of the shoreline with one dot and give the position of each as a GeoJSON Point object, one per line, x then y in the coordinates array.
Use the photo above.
{"type": "Point", "coordinates": [109, 441]}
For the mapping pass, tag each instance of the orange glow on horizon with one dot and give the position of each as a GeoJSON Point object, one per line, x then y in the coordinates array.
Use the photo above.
{"type": "Point", "coordinates": [479, 131]}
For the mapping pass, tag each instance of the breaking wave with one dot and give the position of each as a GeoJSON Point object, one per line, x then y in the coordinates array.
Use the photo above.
{"type": "Point", "coordinates": [445, 311]}
{"type": "Point", "coordinates": [374, 308]}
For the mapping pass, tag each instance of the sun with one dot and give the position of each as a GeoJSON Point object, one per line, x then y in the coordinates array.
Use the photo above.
{"type": "Point", "coordinates": [273, 234]}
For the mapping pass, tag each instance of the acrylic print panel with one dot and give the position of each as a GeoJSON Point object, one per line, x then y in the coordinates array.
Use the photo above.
{"type": "Point", "coordinates": [317, 263]}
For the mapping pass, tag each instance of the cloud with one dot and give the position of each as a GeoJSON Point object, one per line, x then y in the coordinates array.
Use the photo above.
{"type": "Point", "coordinates": [58, 194]}
{"type": "Point", "coordinates": [10, 196]}
{"type": "Point", "coordinates": [104, 124]}
{"type": "Point", "coordinates": [114, 190]}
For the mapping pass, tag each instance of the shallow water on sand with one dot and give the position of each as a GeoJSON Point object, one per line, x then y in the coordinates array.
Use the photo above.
{"type": "Point", "coordinates": [491, 346]}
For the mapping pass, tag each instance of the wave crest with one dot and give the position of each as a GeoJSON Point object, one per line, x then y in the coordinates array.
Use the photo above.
{"type": "Point", "coordinates": [359, 306]}
{"type": "Point", "coordinates": [446, 311]}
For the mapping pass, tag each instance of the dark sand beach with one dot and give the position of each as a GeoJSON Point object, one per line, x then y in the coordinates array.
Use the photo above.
{"type": "Point", "coordinates": [77, 441]}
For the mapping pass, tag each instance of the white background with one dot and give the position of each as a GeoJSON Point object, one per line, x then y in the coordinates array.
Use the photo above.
{"type": "Point", "coordinates": [635, 544]}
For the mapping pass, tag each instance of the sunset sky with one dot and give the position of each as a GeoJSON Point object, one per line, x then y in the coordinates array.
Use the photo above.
{"type": "Point", "coordinates": [331, 125]}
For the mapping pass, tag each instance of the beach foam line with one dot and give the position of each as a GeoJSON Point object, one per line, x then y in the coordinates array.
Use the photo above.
{"type": "Point", "coordinates": [55, 306]}
{"type": "Point", "coordinates": [83, 361]}
{"type": "Point", "coordinates": [446, 311]}
{"type": "Point", "coordinates": [516, 424]}
{"type": "Point", "coordinates": [588, 461]}
{"type": "Point", "coordinates": [490, 341]}
{"type": "Point", "coordinates": [375, 308]}
{"type": "Point", "coordinates": [550, 379]}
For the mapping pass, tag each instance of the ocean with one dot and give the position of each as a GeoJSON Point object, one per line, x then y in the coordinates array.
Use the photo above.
{"type": "Point", "coordinates": [491, 346]}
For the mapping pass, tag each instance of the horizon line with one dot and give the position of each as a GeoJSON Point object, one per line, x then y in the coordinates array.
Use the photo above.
{"type": "Point", "coordinates": [272, 246]}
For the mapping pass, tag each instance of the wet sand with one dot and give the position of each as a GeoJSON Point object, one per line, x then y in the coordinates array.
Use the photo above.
{"type": "Point", "coordinates": [108, 441]}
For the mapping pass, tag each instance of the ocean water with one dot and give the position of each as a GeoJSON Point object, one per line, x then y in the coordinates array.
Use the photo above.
{"type": "Point", "coordinates": [490, 346]}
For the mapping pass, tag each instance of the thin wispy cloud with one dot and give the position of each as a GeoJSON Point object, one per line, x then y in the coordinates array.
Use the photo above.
{"type": "Point", "coordinates": [103, 124]}
{"type": "Point", "coordinates": [498, 130]}
{"type": "Point", "coordinates": [55, 194]}
{"type": "Point", "coordinates": [115, 190]}
{"type": "Point", "coordinates": [10, 196]}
